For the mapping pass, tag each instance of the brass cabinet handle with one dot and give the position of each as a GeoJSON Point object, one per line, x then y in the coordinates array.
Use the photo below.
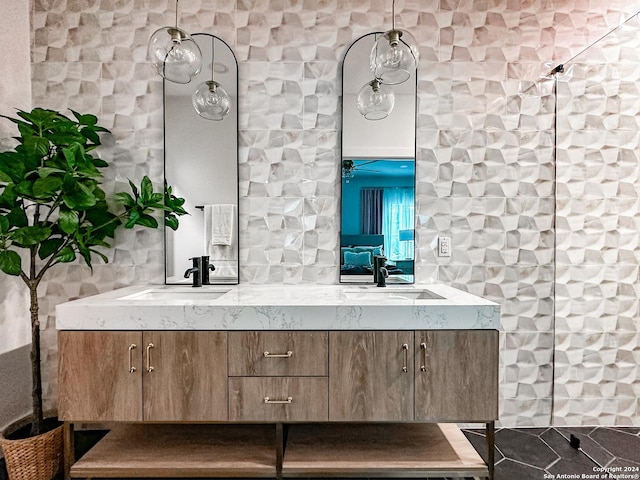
{"type": "Point", "coordinates": [149, 366]}
{"type": "Point", "coordinates": [405, 347]}
{"type": "Point", "coordinates": [268, 400]}
{"type": "Point", "coordinates": [278, 355]}
{"type": "Point", "coordinates": [132, 369]}
{"type": "Point", "coordinates": [423, 347]}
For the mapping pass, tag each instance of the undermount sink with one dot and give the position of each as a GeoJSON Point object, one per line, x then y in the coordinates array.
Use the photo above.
{"type": "Point", "coordinates": [178, 294]}
{"type": "Point", "coordinates": [392, 294]}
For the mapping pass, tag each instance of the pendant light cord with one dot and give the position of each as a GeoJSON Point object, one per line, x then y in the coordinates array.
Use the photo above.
{"type": "Point", "coordinates": [393, 15]}
{"type": "Point", "coordinates": [213, 55]}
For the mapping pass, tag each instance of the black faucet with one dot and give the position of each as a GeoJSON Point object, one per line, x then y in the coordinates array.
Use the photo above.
{"type": "Point", "coordinates": [379, 271]}
{"type": "Point", "coordinates": [196, 270]}
{"type": "Point", "coordinates": [206, 268]}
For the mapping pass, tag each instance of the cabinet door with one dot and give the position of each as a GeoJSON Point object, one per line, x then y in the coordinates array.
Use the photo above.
{"type": "Point", "coordinates": [188, 377]}
{"type": "Point", "coordinates": [456, 375]}
{"type": "Point", "coordinates": [96, 378]}
{"type": "Point", "coordinates": [367, 377]}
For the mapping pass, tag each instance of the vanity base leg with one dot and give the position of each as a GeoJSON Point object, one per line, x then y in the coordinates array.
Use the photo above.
{"type": "Point", "coordinates": [279, 449]}
{"type": "Point", "coordinates": [68, 448]}
{"type": "Point", "coordinates": [491, 454]}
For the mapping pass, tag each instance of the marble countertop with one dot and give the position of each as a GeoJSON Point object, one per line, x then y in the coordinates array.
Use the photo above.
{"type": "Point", "coordinates": [279, 307]}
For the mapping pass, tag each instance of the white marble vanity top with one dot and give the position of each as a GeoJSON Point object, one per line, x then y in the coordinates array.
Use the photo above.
{"type": "Point", "coordinates": [279, 307]}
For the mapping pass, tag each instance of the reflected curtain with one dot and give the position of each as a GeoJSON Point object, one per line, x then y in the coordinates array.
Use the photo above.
{"type": "Point", "coordinates": [371, 208]}
{"type": "Point", "coordinates": [398, 215]}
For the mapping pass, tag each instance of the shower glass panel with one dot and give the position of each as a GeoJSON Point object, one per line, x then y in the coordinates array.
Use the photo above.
{"type": "Point", "coordinates": [597, 220]}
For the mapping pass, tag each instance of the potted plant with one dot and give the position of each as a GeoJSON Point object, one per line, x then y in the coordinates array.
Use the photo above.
{"type": "Point", "coordinates": [53, 209]}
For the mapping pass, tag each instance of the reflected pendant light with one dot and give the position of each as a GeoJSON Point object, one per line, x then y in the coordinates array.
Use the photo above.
{"type": "Point", "coordinates": [210, 100]}
{"type": "Point", "coordinates": [173, 54]}
{"type": "Point", "coordinates": [394, 55]}
{"type": "Point", "coordinates": [375, 100]}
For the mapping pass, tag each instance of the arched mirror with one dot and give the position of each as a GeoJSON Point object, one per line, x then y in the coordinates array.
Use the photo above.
{"type": "Point", "coordinates": [378, 171]}
{"type": "Point", "coordinates": [201, 164]}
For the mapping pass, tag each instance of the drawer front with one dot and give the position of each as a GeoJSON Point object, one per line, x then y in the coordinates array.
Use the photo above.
{"type": "Point", "coordinates": [278, 354]}
{"type": "Point", "coordinates": [278, 399]}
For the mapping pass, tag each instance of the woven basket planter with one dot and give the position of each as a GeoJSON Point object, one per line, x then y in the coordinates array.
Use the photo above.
{"type": "Point", "coordinates": [34, 458]}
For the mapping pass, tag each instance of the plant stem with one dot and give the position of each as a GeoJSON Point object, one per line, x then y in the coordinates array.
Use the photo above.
{"type": "Point", "coordinates": [36, 371]}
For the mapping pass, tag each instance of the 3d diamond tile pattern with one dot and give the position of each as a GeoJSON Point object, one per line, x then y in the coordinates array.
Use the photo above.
{"type": "Point", "coordinates": [485, 175]}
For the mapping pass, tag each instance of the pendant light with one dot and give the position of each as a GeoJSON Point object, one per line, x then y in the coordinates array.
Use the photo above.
{"type": "Point", "coordinates": [375, 100]}
{"type": "Point", "coordinates": [210, 100]}
{"type": "Point", "coordinates": [394, 55]}
{"type": "Point", "coordinates": [174, 54]}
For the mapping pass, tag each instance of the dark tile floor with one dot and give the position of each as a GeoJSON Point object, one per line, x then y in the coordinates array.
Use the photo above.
{"type": "Point", "coordinates": [538, 453]}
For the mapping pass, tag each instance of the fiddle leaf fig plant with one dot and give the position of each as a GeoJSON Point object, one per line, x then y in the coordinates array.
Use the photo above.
{"type": "Point", "coordinates": [53, 209]}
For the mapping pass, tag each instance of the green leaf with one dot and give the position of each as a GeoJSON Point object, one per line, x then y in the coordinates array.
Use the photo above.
{"type": "Point", "coordinates": [48, 247]}
{"type": "Point", "coordinates": [46, 171]}
{"type": "Point", "coordinates": [99, 163]}
{"type": "Point", "coordinates": [146, 189]}
{"type": "Point", "coordinates": [86, 119]}
{"type": "Point", "coordinates": [68, 220]}
{"type": "Point", "coordinates": [27, 236]}
{"type": "Point", "coordinates": [17, 217]}
{"type": "Point", "coordinates": [66, 255]}
{"type": "Point", "coordinates": [73, 154]}
{"type": "Point", "coordinates": [37, 147]}
{"type": "Point", "coordinates": [4, 224]}
{"type": "Point", "coordinates": [10, 262]}
{"type": "Point", "coordinates": [91, 134]}
{"type": "Point", "coordinates": [79, 197]}
{"type": "Point", "coordinates": [104, 258]}
{"type": "Point", "coordinates": [132, 220]}
{"type": "Point", "coordinates": [171, 221]}
{"type": "Point", "coordinates": [134, 189]}
{"type": "Point", "coordinates": [147, 221]}
{"type": "Point", "coordinates": [125, 199]}
{"type": "Point", "coordinates": [47, 186]}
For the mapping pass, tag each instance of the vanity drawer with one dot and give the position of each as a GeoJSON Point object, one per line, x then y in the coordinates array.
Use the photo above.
{"type": "Point", "coordinates": [278, 399]}
{"type": "Point", "coordinates": [282, 353]}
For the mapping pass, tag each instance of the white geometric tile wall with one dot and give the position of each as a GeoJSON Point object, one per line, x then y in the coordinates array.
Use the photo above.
{"type": "Point", "coordinates": [485, 162]}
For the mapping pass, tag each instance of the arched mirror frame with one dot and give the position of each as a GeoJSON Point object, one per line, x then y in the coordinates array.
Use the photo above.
{"type": "Point", "coordinates": [188, 241]}
{"type": "Point", "coordinates": [405, 271]}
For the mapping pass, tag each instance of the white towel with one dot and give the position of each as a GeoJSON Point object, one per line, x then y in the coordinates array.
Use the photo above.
{"type": "Point", "coordinates": [219, 223]}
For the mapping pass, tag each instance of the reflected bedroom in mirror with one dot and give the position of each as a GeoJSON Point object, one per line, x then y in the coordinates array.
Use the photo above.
{"type": "Point", "coordinates": [378, 172]}
{"type": "Point", "coordinates": [201, 164]}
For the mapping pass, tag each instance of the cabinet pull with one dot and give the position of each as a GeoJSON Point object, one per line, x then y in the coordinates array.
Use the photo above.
{"type": "Point", "coordinates": [268, 400]}
{"type": "Point", "coordinates": [423, 347]}
{"type": "Point", "coordinates": [405, 347]}
{"type": "Point", "coordinates": [149, 366]}
{"type": "Point", "coordinates": [132, 369]}
{"type": "Point", "coordinates": [278, 355]}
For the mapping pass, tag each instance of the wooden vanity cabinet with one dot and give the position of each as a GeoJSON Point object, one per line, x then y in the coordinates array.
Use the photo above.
{"type": "Point", "coordinates": [309, 403]}
{"type": "Point", "coordinates": [142, 376]}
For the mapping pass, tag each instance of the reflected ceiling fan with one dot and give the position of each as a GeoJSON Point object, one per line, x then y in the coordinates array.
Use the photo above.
{"type": "Point", "coordinates": [349, 167]}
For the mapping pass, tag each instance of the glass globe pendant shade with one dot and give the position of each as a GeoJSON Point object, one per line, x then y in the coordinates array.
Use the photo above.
{"type": "Point", "coordinates": [375, 101]}
{"type": "Point", "coordinates": [174, 55]}
{"type": "Point", "coordinates": [211, 101]}
{"type": "Point", "coordinates": [394, 57]}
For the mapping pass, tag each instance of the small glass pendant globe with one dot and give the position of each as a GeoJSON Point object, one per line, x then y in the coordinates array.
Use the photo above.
{"type": "Point", "coordinates": [211, 101]}
{"type": "Point", "coordinates": [174, 55]}
{"type": "Point", "coordinates": [375, 101]}
{"type": "Point", "coordinates": [394, 57]}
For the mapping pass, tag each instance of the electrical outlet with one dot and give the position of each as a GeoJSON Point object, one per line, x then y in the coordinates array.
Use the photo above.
{"type": "Point", "coordinates": [444, 246]}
